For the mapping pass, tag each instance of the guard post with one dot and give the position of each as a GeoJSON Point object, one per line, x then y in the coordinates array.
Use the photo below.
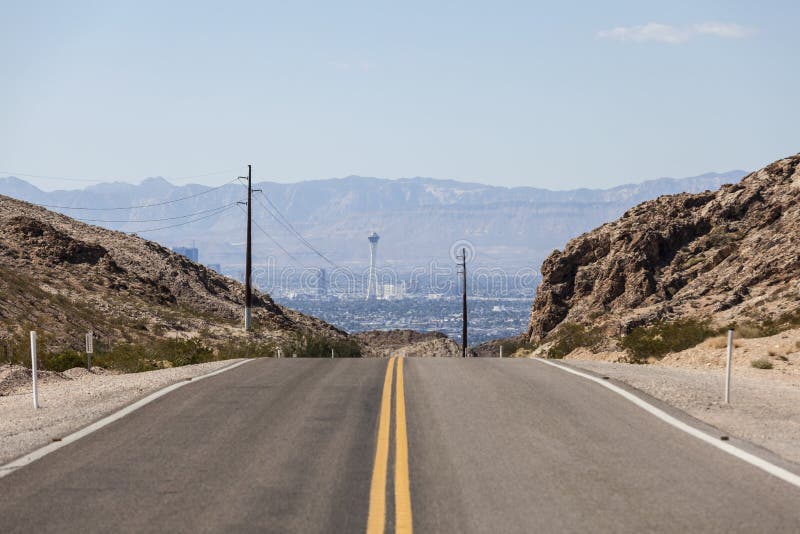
{"type": "Point", "coordinates": [89, 349]}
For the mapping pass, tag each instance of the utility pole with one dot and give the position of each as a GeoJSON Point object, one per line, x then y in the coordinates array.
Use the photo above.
{"type": "Point", "coordinates": [248, 290]}
{"type": "Point", "coordinates": [463, 259]}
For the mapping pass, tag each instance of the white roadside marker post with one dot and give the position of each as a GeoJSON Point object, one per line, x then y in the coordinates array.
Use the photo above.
{"type": "Point", "coordinates": [331, 353]}
{"type": "Point", "coordinates": [89, 349]}
{"type": "Point", "coordinates": [34, 371]}
{"type": "Point", "coordinates": [728, 368]}
{"type": "Point", "coordinates": [501, 351]}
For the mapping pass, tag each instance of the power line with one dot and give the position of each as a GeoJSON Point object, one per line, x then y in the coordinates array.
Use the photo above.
{"type": "Point", "coordinates": [217, 212]}
{"type": "Point", "coordinates": [291, 230]}
{"type": "Point", "coordinates": [275, 242]}
{"type": "Point", "coordinates": [164, 203]}
{"type": "Point", "coordinates": [157, 220]}
{"type": "Point", "coordinates": [286, 224]}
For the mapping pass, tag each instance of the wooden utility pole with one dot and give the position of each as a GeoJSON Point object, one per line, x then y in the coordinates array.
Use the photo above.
{"type": "Point", "coordinates": [464, 302]}
{"type": "Point", "coordinates": [248, 290]}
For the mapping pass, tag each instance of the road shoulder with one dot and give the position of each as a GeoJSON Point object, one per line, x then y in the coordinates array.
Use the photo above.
{"type": "Point", "coordinates": [73, 403]}
{"type": "Point", "coordinates": [763, 416]}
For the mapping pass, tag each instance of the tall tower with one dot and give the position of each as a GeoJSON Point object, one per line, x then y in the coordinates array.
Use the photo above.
{"type": "Point", "coordinates": [372, 282]}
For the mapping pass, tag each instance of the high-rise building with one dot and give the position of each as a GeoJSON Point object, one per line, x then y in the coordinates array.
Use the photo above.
{"type": "Point", "coordinates": [394, 291]}
{"type": "Point", "coordinates": [372, 281]}
{"type": "Point", "coordinates": [190, 252]}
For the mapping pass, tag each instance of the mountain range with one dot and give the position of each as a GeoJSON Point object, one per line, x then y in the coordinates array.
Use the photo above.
{"type": "Point", "coordinates": [418, 219]}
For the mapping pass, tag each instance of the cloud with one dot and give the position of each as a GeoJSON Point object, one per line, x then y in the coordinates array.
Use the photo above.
{"type": "Point", "coordinates": [665, 33]}
{"type": "Point", "coordinates": [720, 29]}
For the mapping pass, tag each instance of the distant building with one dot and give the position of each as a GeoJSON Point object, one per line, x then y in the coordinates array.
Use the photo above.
{"type": "Point", "coordinates": [394, 291]}
{"type": "Point", "coordinates": [190, 252]}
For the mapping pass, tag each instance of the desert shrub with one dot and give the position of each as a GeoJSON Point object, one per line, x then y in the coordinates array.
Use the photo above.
{"type": "Point", "coordinates": [761, 364]}
{"type": "Point", "coordinates": [720, 236]}
{"type": "Point", "coordinates": [750, 329]}
{"type": "Point", "coordinates": [16, 351]}
{"type": "Point", "coordinates": [692, 261]}
{"type": "Point", "coordinates": [135, 358]}
{"type": "Point", "coordinates": [664, 337]}
{"type": "Point", "coordinates": [61, 361]}
{"type": "Point", "coordinates": [785, 321]}
{"type": "Point", "coordinates": [180, 352]}
{"type": "Point", "coordinates": [312, 345]}
{"type": "Point", "coordinates": [245, 348]}
{"type": "Point", "coordinates": [511, 346]}
{"type": "Point", "coordinates": [718, 342]}
{"type": "Point", "coordinates": [768, 326]}
{"type": "Point", "coordinates": [125, 357]}
{"type": "Point", "coordinates": [570, 336]}
{"type": "Point", "coordinates": [131, 356]}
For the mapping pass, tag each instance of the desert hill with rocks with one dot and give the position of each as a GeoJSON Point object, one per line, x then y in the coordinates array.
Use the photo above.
{"type": "Point", "coordinates": [63, 278]}
{"type": "Point", "coordinates": [386, 343]}
{"type": "Point", "coordinates": [724, 256]}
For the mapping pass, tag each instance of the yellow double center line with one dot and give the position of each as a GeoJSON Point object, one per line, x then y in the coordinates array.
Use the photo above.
{"type": "Point", "coordinates": [376, 522]}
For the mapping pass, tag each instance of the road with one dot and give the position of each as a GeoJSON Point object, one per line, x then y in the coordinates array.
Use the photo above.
{"type": "Point", "coordinates": [437, 445]}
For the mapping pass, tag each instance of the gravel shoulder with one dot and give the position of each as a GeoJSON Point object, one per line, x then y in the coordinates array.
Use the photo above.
{"type": "Point", "coordinates": [73, 399]}
{"type": "Point", "coordinates": [764, 409]}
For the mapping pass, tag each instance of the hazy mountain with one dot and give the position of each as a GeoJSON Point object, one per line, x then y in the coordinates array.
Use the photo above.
{"type": "Point", "coordinates": [418, 218]}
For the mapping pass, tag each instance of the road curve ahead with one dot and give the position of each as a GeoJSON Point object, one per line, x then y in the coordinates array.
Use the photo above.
{"type": "Point", "coordinates": [401, 445]}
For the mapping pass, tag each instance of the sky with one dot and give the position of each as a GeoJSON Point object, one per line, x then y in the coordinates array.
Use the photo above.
{"type": "Point", "coordinates": [546, 94]}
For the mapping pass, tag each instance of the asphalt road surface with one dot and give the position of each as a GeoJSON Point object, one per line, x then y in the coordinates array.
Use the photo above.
{"type": "Point", "coordinates": [433, 445]}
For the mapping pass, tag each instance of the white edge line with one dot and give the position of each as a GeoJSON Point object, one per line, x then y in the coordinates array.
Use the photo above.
{"type": "Point", "coordinates": [107, 420]}
{"type": "Point", "coordinates": [752, 459]}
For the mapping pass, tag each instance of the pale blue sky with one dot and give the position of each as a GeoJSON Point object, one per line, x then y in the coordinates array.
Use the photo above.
{"type": "Point", "coordinates": [548, 94]}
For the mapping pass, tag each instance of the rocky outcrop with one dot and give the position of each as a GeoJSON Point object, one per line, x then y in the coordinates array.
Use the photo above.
{"type": "Point", "coordinates": [720, 255]}
{"type": "Point", "coordinates": [385, 343]}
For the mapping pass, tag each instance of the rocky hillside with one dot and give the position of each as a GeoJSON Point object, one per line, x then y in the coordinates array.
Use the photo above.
{"type": "Point", "coordinates": [724, 255]}
{"type": "Point", "coordinates": [64, 278]}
